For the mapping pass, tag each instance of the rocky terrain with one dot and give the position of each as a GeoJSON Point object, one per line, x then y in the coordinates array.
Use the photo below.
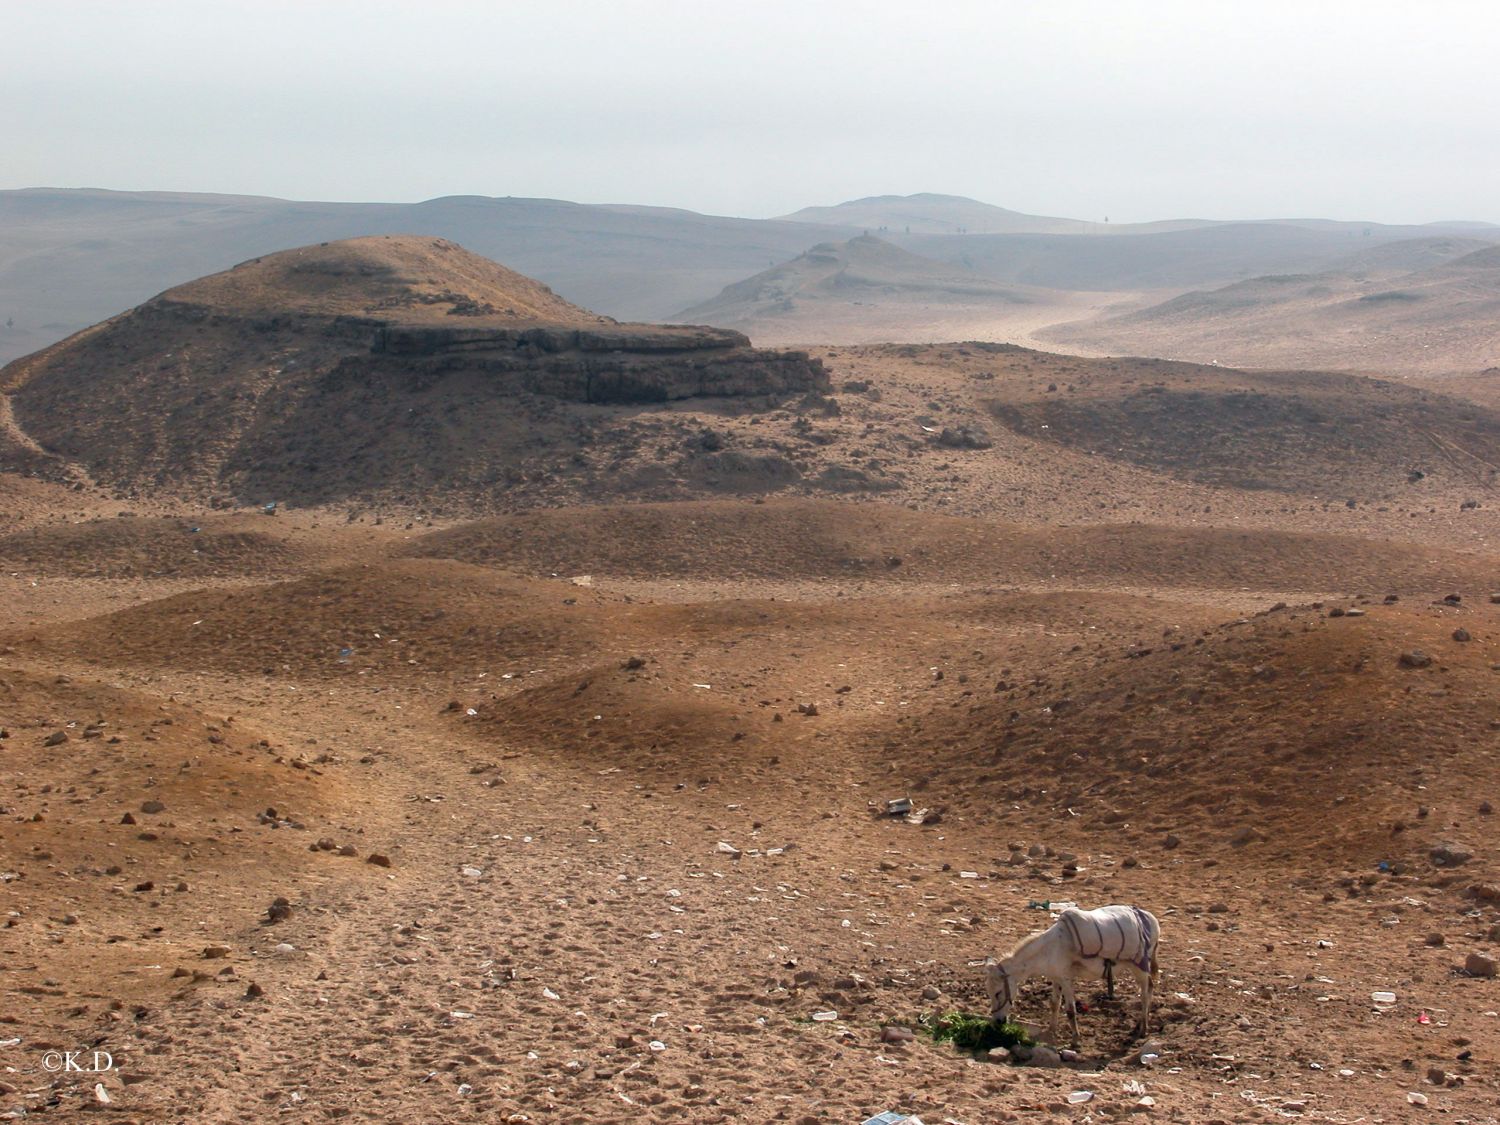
{"type": "Point", "coordinates": [529, 760]}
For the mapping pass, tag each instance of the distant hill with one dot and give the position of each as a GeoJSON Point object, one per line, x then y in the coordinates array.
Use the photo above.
{"type": "Point", "coordinates": [927, 213]}
{"type": "Point", "coordinates": [72, 257]}
{"type": "Point", "coordinates": [865, 283]}
{"type": "Point", "coordinates": [1374, 313]}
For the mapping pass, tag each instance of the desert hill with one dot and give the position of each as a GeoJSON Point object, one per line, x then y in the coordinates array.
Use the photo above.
{"type": "Point", "coordinates": [1319, 434]}
{"type": "Point", "coordinates": [1426, 306]}
{"type": "Point", "coordinates": [867, 290]}
{"type": "Point", "coordinates": [363, 368]}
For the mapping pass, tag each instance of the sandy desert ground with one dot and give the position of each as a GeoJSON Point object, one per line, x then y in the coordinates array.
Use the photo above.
{"type": "Point", "coordinates": [567, 806]}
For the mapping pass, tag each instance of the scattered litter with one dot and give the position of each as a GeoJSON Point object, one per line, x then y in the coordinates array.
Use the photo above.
{"type": "Point", "coordinates": [657, 1045]}
{"type": "Point", "coordinates": [472, 872]}
{"type": "Point", "coordinates": [1423, 1018]}
{"type": "Point", "coordinates": [824, 1017]}
{"type": "Point", "coordinates": [728, 849]}
{"type": "Point", "coordinates": [1134, 1087]}
{"type": "Point", "coordinates": [705, 687]}
{"type": "Point", "coordinates": [898, 805]}
{"type": "Point", "coordinates": [461, 1015]}
{"type": "Point", "coordinates": [550, 995]}
{"type": "Point", "coordinates": [101, 1095]}
{"type": "Point", "coordinates": [968, 874]}
{"type": "Point", "coordinates": [1416, 1098]}
{"type": "Point", "coordinates": [1078, 1097]}
{"type": "Point", "coordinates": [892, 1117]}
{"type": "Point", "coordinates": [1383, 997]}
{"type": "Point", "coordinates": [465, 1088]}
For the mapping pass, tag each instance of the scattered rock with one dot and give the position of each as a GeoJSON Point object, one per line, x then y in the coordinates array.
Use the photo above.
{"type": "Point", "coordinates": [1478, 965]}
{"type": "Point", "coordinates": [56, 738]}
{"type": "Point", "coordinates": [894, 1034]}
{"type": "Point", "coordinates": [998, 1055]}
{"type": "Point", "coordinates": [1461, 634]}
{"type": "Point", "coordinates": [279, 911]}
{"type": "Point", "coordinates": [214, 952]}
{"type": "Point", "coordinates": [153, 807]}
{"type": "Point", "coordinates": [379, 860]}
{"type": "Point", "coordinates": [932, 992]}
{"type": "Point", "coordinates": [1415, 658]}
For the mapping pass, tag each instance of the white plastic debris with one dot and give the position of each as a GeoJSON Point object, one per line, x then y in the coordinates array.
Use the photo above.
{"type": "Point", "coordinates": [657, 1045]}
{"type": "Point", "coordinates": [101, 1095]}
{"type": "Point", "coordinates": [1416, 1099]}
{"type": "Point", "coordinates": [1383, 997]}
{"type": "Point", "coordinates": [825, 1017]}
{"type": "Point", "coordinates": [549, 994]}
{"type": "Point", "coordinates": [471, 872]}
{"type": "Point", "coordinates": [725, 848]}
{"type": "Point", "coordinates": [1078, 1097]}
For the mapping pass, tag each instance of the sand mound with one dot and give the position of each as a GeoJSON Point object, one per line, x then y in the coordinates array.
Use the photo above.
{"type": "Point", "coordinates": [399, 618]}
{"type": "Point", "coordinates": [807, 539]}
{"type": "Point", "coordinates": [139, 547]}
{"type": "Point", "coordinates": [1301, 733]}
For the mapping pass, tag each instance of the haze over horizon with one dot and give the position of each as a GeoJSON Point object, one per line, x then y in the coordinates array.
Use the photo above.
{"type": "Point", "coordinates": [1135, 112]}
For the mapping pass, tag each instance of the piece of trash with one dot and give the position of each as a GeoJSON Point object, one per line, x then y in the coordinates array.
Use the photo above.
{"type": "Point", "coordinates": [1325, 945]}
{"type": "Point", "coordinates": [471, 711]}
{"type": "Point", "coordinates": [1135, 1087]}
{"type": "Point", "coordinates": [471, 872]}
{"type": "Point", "coordinates": [1078, 1097]}
{"type": "Point", "coordinates": [465, 1088]}
{"type": "Point", "coordinates": [892, 1117]}
{"type": "Point", "coordinates": [1383, 997]}
{"type": "Point", "coordinates": [898, 805]}
{"type": "Point", "coordinates": [1424, 1018]}
{"type": "Point", "coordinates": [705, 687]}
{"type": "Point", "coordinates": [968, 874]}
{"type": "Point", "coordinates": [101, 1095]}
{"type": "Point", "coordinates": [461, 1015]}
{"type": "Point", "coordinates": [657, 1045]}
{"type": "Point", "coordinates": [725, 848]}
{"type": "Point", "coordinates": [824, 1017]}
{"type": "Point", "coordinates": [550, 995]}
{"type": "Point", "coordinates": [1416, 1098]}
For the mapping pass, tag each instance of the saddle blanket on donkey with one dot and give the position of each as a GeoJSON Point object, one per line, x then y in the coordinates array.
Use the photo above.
{"type": "Point", "coordinates": [1114, 933]}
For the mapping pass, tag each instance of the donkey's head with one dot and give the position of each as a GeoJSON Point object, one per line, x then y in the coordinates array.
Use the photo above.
{"type": "Point", "coordinates": [997, 986]}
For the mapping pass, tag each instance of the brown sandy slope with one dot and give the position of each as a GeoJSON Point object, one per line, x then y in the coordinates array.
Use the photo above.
{"type": "Point", "coordinates": [1439, 315]}
{"type": "Point", "coordinates": [163, 547]}
{"type": "Point", "coordinates": [563, 839]}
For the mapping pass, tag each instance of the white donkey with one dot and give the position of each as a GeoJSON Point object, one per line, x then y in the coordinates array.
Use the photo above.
{"type": "Point", "coordinates": [1080, 945]}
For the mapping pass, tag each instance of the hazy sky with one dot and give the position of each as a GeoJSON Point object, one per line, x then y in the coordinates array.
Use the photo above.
{"type": "Point", "coordinates": [1253, 108]}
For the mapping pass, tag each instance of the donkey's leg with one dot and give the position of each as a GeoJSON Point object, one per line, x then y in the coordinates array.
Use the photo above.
{"type": "Point", "coordinates": [1053, 1004]}
{"type": "Point", "coordinates": [1072, 1003]}
{"type": "Point", "coordinates": [1109, 979]}
{"type": "Point", "coordinates": [1147, 981]}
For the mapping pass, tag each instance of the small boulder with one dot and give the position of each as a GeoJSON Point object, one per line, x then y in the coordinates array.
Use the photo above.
{"type": "Point", "coordinates": [1450, 855]}
{"type": "Point", "coordinates": [1415, 658]}
{"type": "Point", "coordinates": [1479, 965]}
